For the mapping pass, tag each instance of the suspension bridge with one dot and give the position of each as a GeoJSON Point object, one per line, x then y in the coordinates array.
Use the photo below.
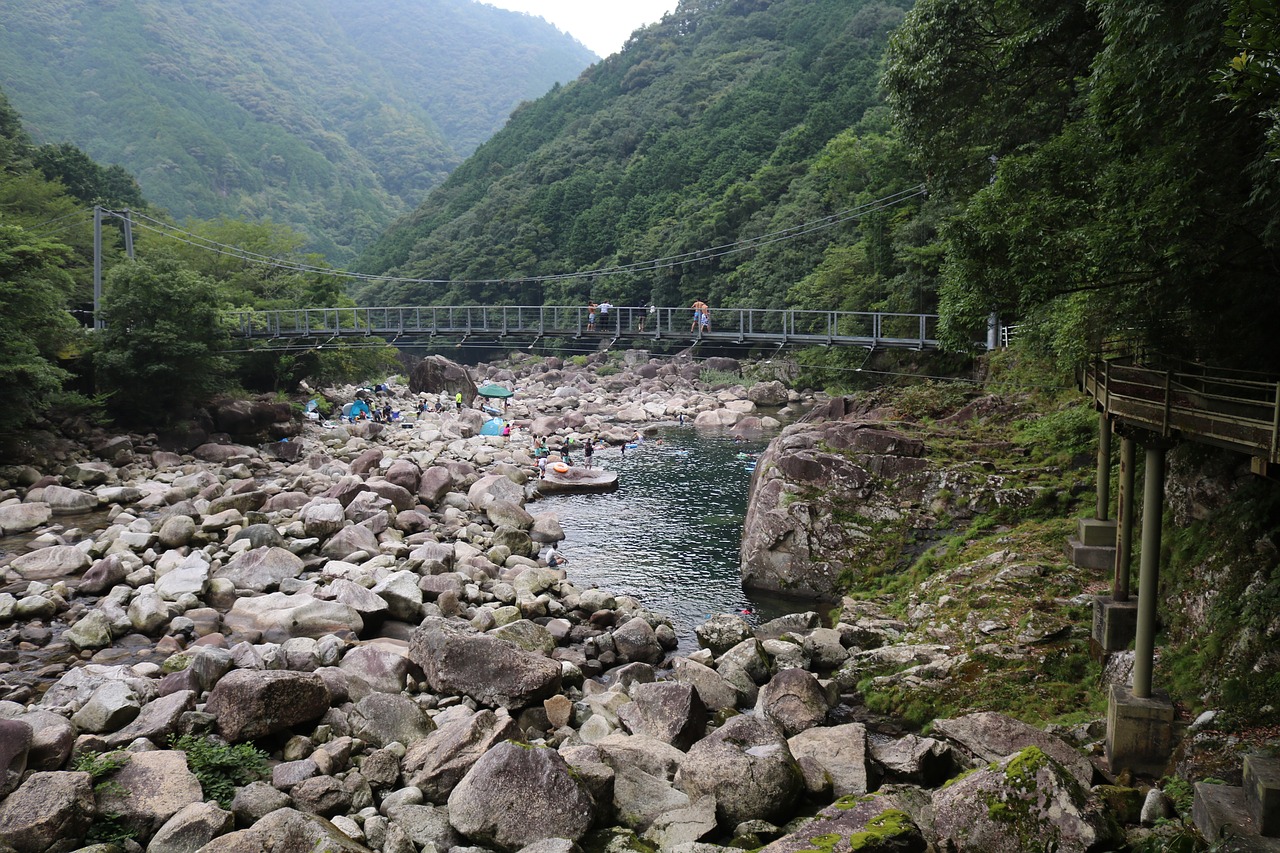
{"type": "Point", "coordinates": [628, 324]}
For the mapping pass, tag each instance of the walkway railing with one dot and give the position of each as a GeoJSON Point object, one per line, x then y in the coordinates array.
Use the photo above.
{"type": "Point", "coordinates": [1241, 414]}
{"type": "Point", "coordinates": [737, 325]}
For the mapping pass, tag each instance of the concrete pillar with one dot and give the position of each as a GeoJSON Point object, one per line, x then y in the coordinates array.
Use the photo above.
{"type": "Point", "coordinates": [1149, 570]}
{"type": "Point", "coordinates": [1104, 468]}
{"type": "Point", "coordinates": [1124, 519]}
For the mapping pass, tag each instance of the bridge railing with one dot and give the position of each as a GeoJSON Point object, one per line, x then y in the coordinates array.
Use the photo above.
{"type": "Point", "coordinates": [743, 324]}
{"type": "Point", "coordinates": [1221, 409]}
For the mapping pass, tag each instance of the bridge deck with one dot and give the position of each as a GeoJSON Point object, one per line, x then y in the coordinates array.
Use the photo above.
{"type": "Point", "coordinates": [1241, 414]}
{"type": "Point", "coordinates": [735, 325]}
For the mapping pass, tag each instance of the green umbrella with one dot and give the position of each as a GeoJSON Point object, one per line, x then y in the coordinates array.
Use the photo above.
{"type": "Point", "coordinates": [494, 391]}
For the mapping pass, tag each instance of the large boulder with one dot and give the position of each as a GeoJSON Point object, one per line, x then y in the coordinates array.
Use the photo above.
{"type": "Point", "coordinates": [989, 736]}
{"type": "Point", "coordinates": [747, 766]}
{"type": "Point", "coordinates": [150, 789]}
{"type": "Point", "coordinates": [261, 569]}
{"type": "Point", "coordinates": [55, 561]}
{"type": "Point", "coordinates": [518, 794]}
{"type": "Point", "coordinates": [49, 807]}
{"type": "Point", "coordinates": [15, 746]}
{"type": "Point", "coordinates": [19, 518]}
{"type": "Point", "coordinates": [818, 494]}
{"type": "Point", "coordinates": [286, 829]}
{"type": "Point", "coordinates": [1026, 797]}
{"type": "Point", "coordinates": [794, 700]}
{"type": "Point", "coordinates": [381, 718]}
{"type": "Point", "coordinates": [279, 616]}
{"type": "Point", "coordinates": [667, 711]}
{"type": "Point", "coordinates": [489, 670]}
{"type": "Point", "coordinates": [438, 762]}
{"type": "Point", "coordinates": [833, 760]}
{"type": "Point", "coordinates": [577, 480]}
{"type": "Point", "coordinates": [249, 704]}
{"type": "Point", "coordinates": [881, 823]}
{"type": "Point", "coordinates": [435, 373]}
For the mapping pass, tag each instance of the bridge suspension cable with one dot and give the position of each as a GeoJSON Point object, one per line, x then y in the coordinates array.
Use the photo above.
{"type": "Point", "coordinates": [793, 232]}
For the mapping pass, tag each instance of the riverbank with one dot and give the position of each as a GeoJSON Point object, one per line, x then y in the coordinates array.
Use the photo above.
{"type": "Point", "coordinates": [371, 613]}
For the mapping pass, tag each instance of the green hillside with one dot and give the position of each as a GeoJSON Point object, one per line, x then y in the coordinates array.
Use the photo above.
{"type": "Point", "coordinates": [727, 121]}
{"type": "Point", "coordinates": [331, 117]}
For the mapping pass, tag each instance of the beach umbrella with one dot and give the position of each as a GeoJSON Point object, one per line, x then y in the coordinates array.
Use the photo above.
{"type": "Point", "coordinates": [492, 390]}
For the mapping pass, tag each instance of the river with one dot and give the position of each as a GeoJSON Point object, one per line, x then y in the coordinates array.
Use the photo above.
{"type": "Point", "coordinates": [669, 535]}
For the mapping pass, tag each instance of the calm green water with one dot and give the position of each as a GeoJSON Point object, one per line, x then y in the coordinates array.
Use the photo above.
{"type": "Point", "coordinates": [669, 536]}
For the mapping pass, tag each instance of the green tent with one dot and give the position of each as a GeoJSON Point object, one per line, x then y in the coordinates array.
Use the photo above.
{"type": "Point", "coordinates": [494, 391]}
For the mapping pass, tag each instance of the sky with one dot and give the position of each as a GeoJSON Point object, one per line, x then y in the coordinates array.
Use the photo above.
{"type": "Point", "coordinates": [602, 25]}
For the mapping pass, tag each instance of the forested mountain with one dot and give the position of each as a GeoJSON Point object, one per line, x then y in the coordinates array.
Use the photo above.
{"type": "Point", "coordinates": [330, 116]}
{"type": "Point", "coordinates": [729, 120]}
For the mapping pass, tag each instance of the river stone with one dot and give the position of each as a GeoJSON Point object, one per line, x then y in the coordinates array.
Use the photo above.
{"type": "Point", "coordinates": [177, 531]}
{"type": "Point", "coordinates": [683, 825]}
{"type": "Point", "coordinates": [881, 823]}
{"type": "Point", "coordinates": [66, 501]}
{"type": "Point", "coordinates": [52, 736]}
{"type": "Point", "coordinates": [989, 736]}
{"type": "Point", "coordinates": [746, 765]}
{"type": "Point", "coordinates": [56, 561]}
{"type": "Point", "coordinates": [192, 827]}
{"type": "Point", "coordinates": [402, 594]}
{"type": "Point", "coordinates": [437, 763]}
{"type": "Point", "coordinates": [349, 540]}
{"type": "Point", "coordinates": [323, 517]}
{"type": "Point", "coordinates": [526, 635]}
{"type": "Point", "coordinates": [722, 632]}
{"type": "Point", "coordinates": [190, 577]}
{"type": "Point", "coordinates": [158, 720]}
{"type": "Point", "coordinates": [103, 575]}
{"type": "Point", "coordinates": [21, 517]}
{"type": "Point", "coordinates": [911, 758]}
{"type": "Point", "coordinates": [666, 711]}
{"type": "Point", "coordinates": [546, 529]}
{"type": "Point", "coordinates": [493, 487]}
{"type": "Point", "coordinates": [15, 746]}
{"type": "Point", "coordinates": [381, 665]}
{"type": "Point", "coordinates": [92, 631]}
{"type": "Point", "coordinates": [151, 788]}
{"type": "Point", "coordinates": [516, 795]}
{"type": "Point", "coordinates": [487, 669]}
{"type": "Point", "coordinates": [260, 569]}
{"type": "Point", "coordinates": [834, 760]}
{"type": "Point", "coordinates": [279, 616]}
{"type": "Point", "coordinates": [435, 483]}
{"type": "Point", "coordinates": [285, 829]}
{"type": "Point", "coordinates": [47, 808]}
{"type": "Point", "coordinates": [714, 691]}
{"type": "Point", "coordinates": [635, 640]}
{"type": "Point", "coordinates": [249, 704]}
{"type": "Point", "coordinates": [657, 758]}
{"type": "Point", "coordinates": [383, 718]}
{"type": "Point", "coordinates": [1026, 795]}
{"type": "Point", "coordinates": [640, 798]}
{"type": "Point", "coordinates": [112, 706]}
{"type": "Point", "coordinates": [794, 700]}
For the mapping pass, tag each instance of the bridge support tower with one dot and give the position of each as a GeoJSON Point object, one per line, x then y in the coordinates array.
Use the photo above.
{"type": "Point", "coordinates": [1115, 616]}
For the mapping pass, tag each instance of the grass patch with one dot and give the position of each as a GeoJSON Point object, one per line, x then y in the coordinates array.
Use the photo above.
{"type": "Point", "coordinates": [221, 768]}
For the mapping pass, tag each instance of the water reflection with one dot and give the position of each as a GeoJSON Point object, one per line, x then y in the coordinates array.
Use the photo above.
{"type": "Point", "coordinates": [670, 535]}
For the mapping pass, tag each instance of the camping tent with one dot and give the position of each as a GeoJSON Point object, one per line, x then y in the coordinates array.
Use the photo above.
{"type": "Point", "coordinates": [356, 408]}
{"type": "Point", "coordinates": [493, 391]}
{"type": "Point", "coordinates": [493, 426]}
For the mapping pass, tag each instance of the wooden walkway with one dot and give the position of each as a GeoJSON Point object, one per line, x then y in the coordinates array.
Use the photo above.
{"type": "Point", "coordinates": [1237, 411]}
{"type": "Point", "coordinates": [625, 324]}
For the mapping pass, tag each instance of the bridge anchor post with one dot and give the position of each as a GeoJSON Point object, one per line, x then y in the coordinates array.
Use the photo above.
{"type": "Point", "coordinates": [1115, 617]}
{"type": "Point", "coordinates": [1094, 545]}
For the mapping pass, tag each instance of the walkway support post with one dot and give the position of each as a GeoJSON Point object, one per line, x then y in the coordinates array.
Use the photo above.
{"type": "Point", "coordinates": [1103, 506]}
{"type": "Point", "coordinates": [1149, 570]}
{"type": "Point", "coordinates": [1124, 519]}
{"type": "Point", "coordinates": [97, 268]}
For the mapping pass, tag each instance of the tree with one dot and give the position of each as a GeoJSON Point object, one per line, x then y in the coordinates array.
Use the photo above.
{"type": "Point", "coordinates": [162, 351]}
{"type": "Point", "coordinates": [34, 325]}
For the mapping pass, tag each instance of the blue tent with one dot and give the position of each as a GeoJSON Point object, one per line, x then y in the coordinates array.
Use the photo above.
{"type": "Point", "coordinates": [356, 408]}
{"type": "Point", "coordinates": [493, 426]}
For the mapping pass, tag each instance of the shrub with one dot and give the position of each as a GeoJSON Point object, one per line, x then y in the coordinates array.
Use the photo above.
{"type": "Point", "coordinates": [221, 768]}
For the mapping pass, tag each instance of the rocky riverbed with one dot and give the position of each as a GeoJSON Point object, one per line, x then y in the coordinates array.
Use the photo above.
{"type": "Point", "coordinates": [364, 603]}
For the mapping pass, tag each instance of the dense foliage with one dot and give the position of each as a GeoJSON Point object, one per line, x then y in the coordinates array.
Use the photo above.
{"type": "Point", "coordinates": [1105, 187]}
{"type": "Point", "coordinates": [330, 116]}
{"type": "Point", "coordinates": [727, 121]}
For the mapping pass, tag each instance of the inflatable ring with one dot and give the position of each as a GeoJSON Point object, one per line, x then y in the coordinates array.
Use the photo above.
{"type": "Point", "coordinates": [560, 468]}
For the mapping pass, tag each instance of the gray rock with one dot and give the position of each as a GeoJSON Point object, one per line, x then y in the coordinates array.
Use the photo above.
{"type": "Point", "coordinates": [515, 795]}
{"type": "Point", "coordinates": [640, 799]}
{"type": "Point", "coordinates": [911, 758]}
{"type": "Point", "coordinates": [1155, 806]}
{"type": "Point", "coordinates": [323, 517]}
{"type": "Point", "coordinates": [435, 483]}
{"type": "Point", "coordinates": [261, 569]}
{"type": "Point", "coordinates": [381, 666]}
{"type": "Point", "coordinates": [747, 766]}
{"type": "Point", "coordinates": [486, 669]}
{"type": "Point", "coordinates": [249, 705]}
{"type": "Point", "coordinates": [834, 760]}
{"type": "Point", "coordinates": [321, 795]}
{"type": "Point", "coordinates": [427, 826]}
{"type": "Point", "coordinates": [383, 718]}
{"type": "Point", "coordinates": [20, 518]}
{"type": "Point", "coordinates": [403, 596]}
{"type": "Point", "coordinates": [493, 487]}
{"type": "Point", "coordinates": [112, 706]}
{"type": "Point", "coordinates": [349, 540]}
{"type": "Point", "coordinates": [47, 808]}
{"type": "Point", "coordinates": [988, 736]}
{"type": "Point", "coordinates": [526, 635]}
{"type": "Point", "coordinates": [716, 693]}
{"type": "Point", "coordinates": [257, 800]}
{"type": "Point", "coordinates": [51, 563]}
{"type": "Point", "coordinates": [15, 746]}
{"type": "Point", "coordinates": [65, 501]}
{"type": "Point", "coordinates": [722, 632]}
{"type": "Point", "coordinates": [191, 828]}
{"type": "Point", "coordinates": [437, 763]}
{"type": "Point", "coordinates": [684, 825]}
{"type": "Point", "coordinates": [92, 631]}
{"type": "Point", "coordinates": [666, 711]}
{"type": "Point", "coordinates": [546, 529]}
{"type": "Point", "coordinates": [1026, 795]}
{"type": "Point", "coordinates": [52, 736]}
{"type": "Point", "coordinates": [286, 829]}
{"type": "Point", "coordinates": [794, 700]}
{"type": "Point", "coordinates": [103, 575]}
{"type": "Point", "coordinates": [158, 720]}
{"type": "Point", "coordinates": [279, 616]}
{"type": "Point", "coordinates": [658, 759]}
{"type": "Point", "coordinates": [177, 531]}
{"type": "Point", "coordinates": [884, 822]}
{"type": "Point", "coordinates": [190, 577]}
{"type": "Point", "coordinates": [635, 640]}
{"type": "Point", "coordinates": [150, 789]}
{"type": "Point", "coordinates": [148, 612]}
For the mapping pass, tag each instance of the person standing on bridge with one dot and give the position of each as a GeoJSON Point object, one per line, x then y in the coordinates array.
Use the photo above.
{"type": "Point", "coordinates": [604, 313]}
{"type": "Point", "coordinates": [706, 317]}
{"type": "Point", "coordinates": [591, 316]}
